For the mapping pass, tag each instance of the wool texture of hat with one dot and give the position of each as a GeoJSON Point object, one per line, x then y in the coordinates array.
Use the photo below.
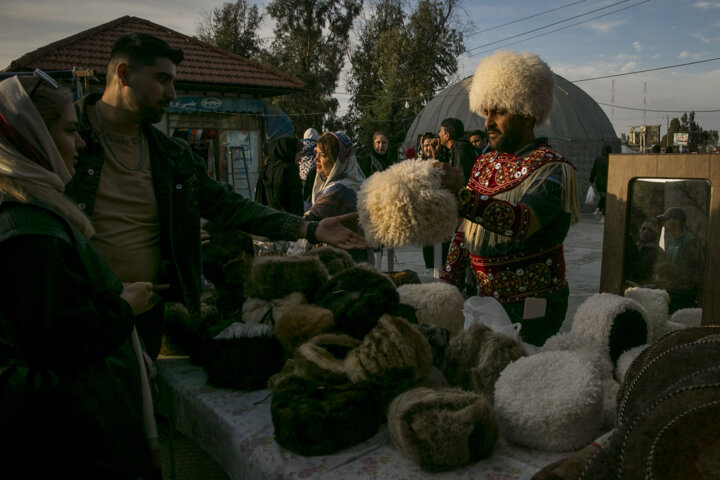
{"type": "Point", "coordinates": [406, 205]}
{"type": "Point", "coordinates": [583, 345]}
{"type": "Point", "coordinates": [475, 358]}
{"type": "Point", "coordinates": [625, 360]}
{"type": "Point", "coordinates": [436, 303]}
{"type": "Point", "coordinates": [617, 323]}
{"type": "Point", "coordinates": [358, 297]}
{"type": "Point", "coordinates": [335, 260]}
{"type": "Point", "coordinates": [549, 401]}
{"type": "Point", "coordinates": [314, 417]}
{"type": "Point", "coordinates": [310, 134]}
{"type": "Point", "coordinates": [656, 303]}
{"type": "Point", "coordinates": [689, 317]}
{"type": "Point", "coordinates": [442, 429]}
{"type": "Point", "coordinates": [274, 277]}
{"type": "Point", "coordinates": [520, 83]}
{"type": "Point", "coordinates": [393, 349]}
{"type": "Point", "coordinates": [300, 323]}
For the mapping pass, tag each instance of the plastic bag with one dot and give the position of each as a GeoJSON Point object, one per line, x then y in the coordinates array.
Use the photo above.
{"type": "Point", "coordinates": [592, 196]}
{"type": "Point", "coordinates": [489, 312]}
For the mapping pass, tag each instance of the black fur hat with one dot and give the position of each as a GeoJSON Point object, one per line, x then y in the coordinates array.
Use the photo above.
{"type": "Point", "coordinates": [335, 260]}
{"type": "Point", "coordinates": [358, 297]}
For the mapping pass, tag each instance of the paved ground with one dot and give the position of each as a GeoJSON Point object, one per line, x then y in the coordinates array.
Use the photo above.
{"type": "Point", "coordinates": [583, 255]}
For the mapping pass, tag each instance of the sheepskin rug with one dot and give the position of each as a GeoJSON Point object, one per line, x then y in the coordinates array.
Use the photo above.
{"type": "Point", "coordinates": [405, 205]}
{"type": "Point", "coordinates": [436, 303]}
{"type": "Point", "coordinates": [550, 401]}
{"type": "Point", "coordinates": [656, 302]}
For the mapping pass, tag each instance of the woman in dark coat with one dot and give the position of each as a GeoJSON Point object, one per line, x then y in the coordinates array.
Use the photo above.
{"type": "Point", "coordinates": [279, 185]}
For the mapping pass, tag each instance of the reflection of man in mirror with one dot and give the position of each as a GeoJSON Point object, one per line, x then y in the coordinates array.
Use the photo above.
{"type": "Point", "coordinates": [686, 260]}
{"type": "Point", "coordinates": [651, 256]}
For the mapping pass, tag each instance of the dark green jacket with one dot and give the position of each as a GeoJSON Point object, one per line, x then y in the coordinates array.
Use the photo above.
{"type": "Point", "coordinates": [70, 401]}
{"type": "Point", "coordinates": [184, 193]}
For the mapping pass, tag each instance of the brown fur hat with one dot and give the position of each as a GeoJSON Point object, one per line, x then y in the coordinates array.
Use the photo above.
{"type": "Point", "coordinates": [300, 323]}
{"type": "Point", "coordinates": [358, 297]}
{"type": "Point", "coordinates": [318, 359]}
{"type": "Point", "coordinates": [274, 277]}
{"type": "Point", "coordinates": [335, 260]}
{"type": "Point", "coordinates": [475, 358]}
{"type": "Point", "coordinates": [393, 346]}
{"type": "Point", "coordinates": [442, 429]}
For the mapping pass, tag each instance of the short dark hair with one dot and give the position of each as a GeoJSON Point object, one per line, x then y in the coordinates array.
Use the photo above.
{"type": "Point", "coordinates": [479, 133]}
{"type": "Point", "coordinates": [142, 49]}
{"type": "Point", "coordinates": [454, 127]}
{"type": "Point", "coordinates": [428, 135]}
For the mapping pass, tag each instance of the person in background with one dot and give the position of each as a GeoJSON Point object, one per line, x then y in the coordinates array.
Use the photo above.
{"type": "Point", "coordinates": [460, 153]}
{"type": "Point", "coordinates": [478, 140]}
{"type": "Point", "coordinates": [520, 200]}
{"type": "Point", "coordinates": [71, 380]}
{"type": "Point", "coordinates": [279, 184]}
{"type": "Point", "coordinates": [651, 255]}
{"type": "Point", "coordinates": [686, 261]}
{"type": "Point", "coordinates": [598, 179]}
{"type": "Point", "coordinates": [337, 182]}
{"type": "Point", "coordinates": [307, 164]}
{"type": "Point", "coordinates": [146, 192]}
{"type": "Point", "coordinates": [426, 146]}
{"type": "Point", "coordinates": [378, 159]}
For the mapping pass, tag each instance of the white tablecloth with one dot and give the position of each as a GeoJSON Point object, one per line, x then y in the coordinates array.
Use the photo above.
{"type": "Point", "coordinates": [235, 428]}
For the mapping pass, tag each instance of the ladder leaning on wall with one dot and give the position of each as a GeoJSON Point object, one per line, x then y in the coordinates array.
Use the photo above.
{"type": "Point", "coordinates": [240, 177]}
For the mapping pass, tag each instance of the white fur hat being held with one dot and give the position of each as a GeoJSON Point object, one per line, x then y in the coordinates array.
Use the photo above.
{"type": "Point", "coordinates": [520, 83]}
{"type": "Point", "coordinates": [406, 205]}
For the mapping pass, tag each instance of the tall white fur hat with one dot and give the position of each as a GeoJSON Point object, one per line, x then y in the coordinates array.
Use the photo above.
{"type": "Point", "coordinates": [520, 83]}
{"type": "Point", "coordinates": [406, 204]}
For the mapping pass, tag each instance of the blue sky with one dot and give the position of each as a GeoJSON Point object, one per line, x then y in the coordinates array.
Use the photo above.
{"type": "Point", "coordinates": [604, 38]}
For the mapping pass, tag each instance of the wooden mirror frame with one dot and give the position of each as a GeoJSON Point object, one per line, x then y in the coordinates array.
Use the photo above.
{"type": "Point", "coordinates": [622, 171]}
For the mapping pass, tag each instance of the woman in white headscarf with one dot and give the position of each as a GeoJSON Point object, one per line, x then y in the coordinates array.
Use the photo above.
{"type": "Point", "coordinates": [338, 179]}
{"type": "Point", "coordinates": [70, 391]}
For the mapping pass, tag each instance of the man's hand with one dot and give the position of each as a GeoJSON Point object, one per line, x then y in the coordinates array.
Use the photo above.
{"type": "Point", "coordinates": [452, 180]}
{"type": "Point", "coordinates": [204, 237]}
{"type": "Point", "coordinates": [341, 232]}
{"type": "Point", "coordinates": [140, 296]}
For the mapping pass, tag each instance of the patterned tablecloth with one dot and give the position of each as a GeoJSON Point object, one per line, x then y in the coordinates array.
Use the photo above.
{"type": "Point", "coordinates": [235, 428]}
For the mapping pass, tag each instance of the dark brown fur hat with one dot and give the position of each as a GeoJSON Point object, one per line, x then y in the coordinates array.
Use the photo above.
{"type": "Point", "coordinates": [358, 297]}
{"type": "Point", "coordinates": [335, 260]}
{"type": "Point", "coordinates": [475, 358]}
{"type": "Point", "coordinates": [275, 277]}
{"type": "Point", "coordinates": [300, 323]}
{"type": "Point", "coordinates": [392, 346]}
{"type": "Point", "coordinates": [442, 429]}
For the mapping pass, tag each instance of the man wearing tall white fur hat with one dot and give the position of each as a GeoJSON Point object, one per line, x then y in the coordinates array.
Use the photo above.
{"type": "Point", "coordinates": [520, 199]}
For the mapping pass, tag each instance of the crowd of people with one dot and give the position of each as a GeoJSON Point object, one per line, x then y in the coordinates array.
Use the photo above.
{"type": "Point", "coordinates": [100, 224]}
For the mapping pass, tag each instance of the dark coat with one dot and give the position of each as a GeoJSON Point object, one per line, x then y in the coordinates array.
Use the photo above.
{"type": "Point", "coordinates": [70, 400]}
{"type": "Point", "coordinates": [184, 193]}
{"type": "Point", "coordinates": [279, 187]}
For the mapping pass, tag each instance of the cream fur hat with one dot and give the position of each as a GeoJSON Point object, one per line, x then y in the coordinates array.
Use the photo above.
{"type": "Point", "coordinates": [520, 83]}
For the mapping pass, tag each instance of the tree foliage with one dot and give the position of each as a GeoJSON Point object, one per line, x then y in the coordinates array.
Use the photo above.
{"type": "Point", "coordinates": [402, 58]}
{"type": "Point", "coordinates": [311, 39]}
{"type": "Point", "coordinates": [232, 27]}
{"type": "Point", "coordinates": [699, 140]}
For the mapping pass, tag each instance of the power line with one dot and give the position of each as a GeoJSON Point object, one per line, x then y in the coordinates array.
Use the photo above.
{"type": "Point", "coordinates": [556, 30]}
{"type": "Point", "coordinates": [548, 25]}
{"type": "Point", "coordinates": [646, 70]}
{"type": "Point", "coordinates": [658, 111]}
{"type": "Point", "coordinates": [524, 18]}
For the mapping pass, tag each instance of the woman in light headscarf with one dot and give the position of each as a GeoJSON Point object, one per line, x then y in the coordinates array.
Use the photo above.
{"type": "Point", "coordinates": [71, 396]}
{"type": "Point", "coordinates": [337, 181]}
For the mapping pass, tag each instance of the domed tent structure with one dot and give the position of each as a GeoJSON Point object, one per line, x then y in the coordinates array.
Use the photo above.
{"type": "Point", "coordinates": [577, 128]}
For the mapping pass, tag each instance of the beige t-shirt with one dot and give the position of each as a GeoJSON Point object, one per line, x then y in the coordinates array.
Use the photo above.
{"type": "Point", "coordinates": [125, 216]}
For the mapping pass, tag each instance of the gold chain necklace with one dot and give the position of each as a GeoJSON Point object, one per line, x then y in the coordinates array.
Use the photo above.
{"type": "Point", "coordinates": [104, 136]}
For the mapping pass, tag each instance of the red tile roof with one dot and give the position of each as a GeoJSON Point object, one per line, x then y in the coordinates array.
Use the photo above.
{"type": "Point", "coordinates": [204, 64]}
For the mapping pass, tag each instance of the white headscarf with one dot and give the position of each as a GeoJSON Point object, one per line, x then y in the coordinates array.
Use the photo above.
{"type": "Point", "coordinates": [22, 175]}
{"type": "Point", "coordinates": [345, 171]}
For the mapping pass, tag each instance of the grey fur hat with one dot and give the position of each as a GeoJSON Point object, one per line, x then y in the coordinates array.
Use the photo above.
{"type": "Point", "coordinates": [442, 429]}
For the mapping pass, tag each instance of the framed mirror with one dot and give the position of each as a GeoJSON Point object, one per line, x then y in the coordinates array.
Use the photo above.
{"type": "Point", "coordinates": [663, 221]}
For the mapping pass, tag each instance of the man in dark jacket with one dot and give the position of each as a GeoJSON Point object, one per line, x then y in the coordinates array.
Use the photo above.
{"type": "Point", "coordinates": [146, 192]}
{"type": "Point", "coordinates": [461, 153]}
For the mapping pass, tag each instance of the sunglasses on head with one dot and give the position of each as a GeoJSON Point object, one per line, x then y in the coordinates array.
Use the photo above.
{"type": "Point", "coordinates": [42, 77]}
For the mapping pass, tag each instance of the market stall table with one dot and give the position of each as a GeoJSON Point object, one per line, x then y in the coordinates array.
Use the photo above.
{"type": "Point", "coordinates": [235, 428]}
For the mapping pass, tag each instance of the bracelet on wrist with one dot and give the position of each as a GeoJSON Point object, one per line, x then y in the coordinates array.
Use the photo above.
{"type": "Point", "coordinates": [310, 232]}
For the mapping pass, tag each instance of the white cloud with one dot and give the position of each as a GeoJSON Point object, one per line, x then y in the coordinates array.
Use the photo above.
{"type": "Point", "coordinates": [605, 27]}
{"type": "Point", "coordinates": [629, 67]}
{"type": "Point", "coordinates": [689, 55]}
{"type": "Point", "coordinates": [638, 46]}
{"type": "Point", "coordinates": [706, 5]}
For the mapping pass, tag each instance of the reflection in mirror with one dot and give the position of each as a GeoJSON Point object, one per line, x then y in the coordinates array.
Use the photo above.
{"type": "Point", "coordinates": [665, 246]}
